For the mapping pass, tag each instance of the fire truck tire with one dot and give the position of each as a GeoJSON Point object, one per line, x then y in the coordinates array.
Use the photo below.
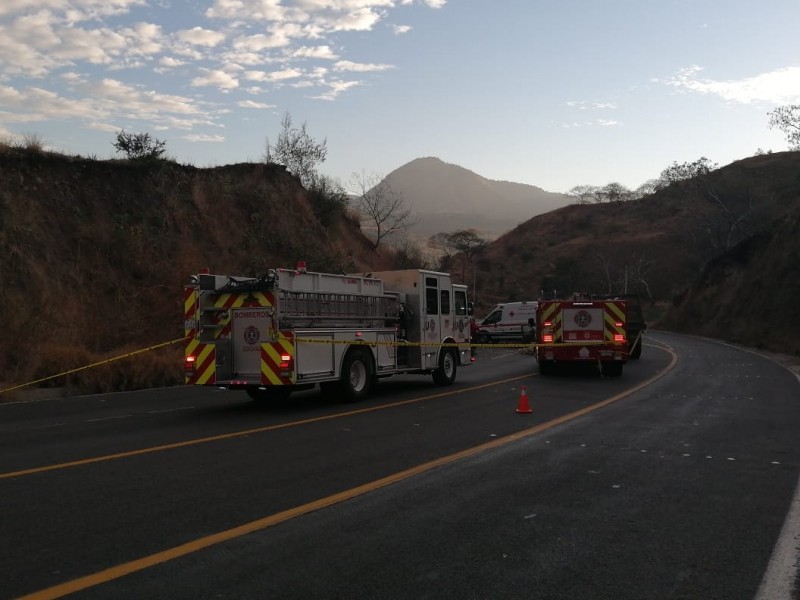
{"type": "Point", "coordinates": [268, 395]}
{"type": "Point", "coordinates": [357, 375]}
{"type": "Point", "coordinates": [446, 373]}
{"type": "Point", "coordinates": [636, 350]}
{"type": "Point", "coordinates": [612, 369]}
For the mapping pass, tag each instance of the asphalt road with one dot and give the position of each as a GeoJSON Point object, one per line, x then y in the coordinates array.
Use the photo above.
{"type": "Point", "coordinates": [672, 481]}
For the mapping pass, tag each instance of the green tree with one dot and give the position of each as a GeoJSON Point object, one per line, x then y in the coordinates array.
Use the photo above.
{"type": "Point", "coordinates": [787, 119]}
{"type": "Point", "coordinates": [139, 146]}
{"type": "Point", "coordinates": [297, 151]}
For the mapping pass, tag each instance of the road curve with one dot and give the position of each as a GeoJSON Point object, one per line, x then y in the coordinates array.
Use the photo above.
{"type": "Point", "coordinates": [672, 481]}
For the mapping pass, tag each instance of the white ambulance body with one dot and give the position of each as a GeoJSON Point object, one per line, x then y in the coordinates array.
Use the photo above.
{"type": "Point", "coordinates": [508, 322]}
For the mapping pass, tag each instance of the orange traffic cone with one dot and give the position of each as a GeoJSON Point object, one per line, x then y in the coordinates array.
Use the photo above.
{"type": "Point", "coordinates": [523, 406]}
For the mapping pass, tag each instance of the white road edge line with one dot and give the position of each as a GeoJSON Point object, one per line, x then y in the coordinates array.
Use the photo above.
{"type": "Point", "coordinates": [108, 418]}
{"type": "Point", "coordinates": [778, 581]}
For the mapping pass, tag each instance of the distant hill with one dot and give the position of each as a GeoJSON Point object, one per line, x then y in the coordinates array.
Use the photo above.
{"type": "Point", "coordinates": [717, 255]}
{"type": "Point", "coordinates": [445, 198]}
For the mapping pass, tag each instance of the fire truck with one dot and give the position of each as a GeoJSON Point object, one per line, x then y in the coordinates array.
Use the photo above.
{"type": "Point", "coordinates": [582, 330]}
{"type": "Point", "coordinates": [292, 329]}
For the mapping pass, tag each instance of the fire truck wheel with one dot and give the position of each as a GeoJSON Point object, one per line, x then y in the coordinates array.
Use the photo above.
{"type": "Point", "coordinates": [272, 394]}
{"type": "Point", "coordinates": [612, 369]}
{"type": "Point", "coordinates": [446, 373]}
{"type": "Point", "coordinates": [636, 351]}
{"type": "Point", "coordinates": [546, 367]}
{"type": "Point", "coordinates": [357, 374]}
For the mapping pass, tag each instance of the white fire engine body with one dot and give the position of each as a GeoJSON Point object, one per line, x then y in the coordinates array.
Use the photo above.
{"type": "Point", "coordinates": [292, 329]}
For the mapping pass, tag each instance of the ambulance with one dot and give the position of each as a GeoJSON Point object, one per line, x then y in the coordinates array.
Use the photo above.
{"type": "Point", "coordinates": [510, 322]}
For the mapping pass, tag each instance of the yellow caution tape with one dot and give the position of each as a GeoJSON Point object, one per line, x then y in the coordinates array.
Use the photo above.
{"type": "Point", "coordinates": [97, 364]}
{"type": "Point", "coordinates": [447, 344]}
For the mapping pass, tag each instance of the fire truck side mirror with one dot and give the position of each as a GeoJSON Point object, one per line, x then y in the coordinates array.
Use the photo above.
{"type": "Point", "coordinates": [470, 308]}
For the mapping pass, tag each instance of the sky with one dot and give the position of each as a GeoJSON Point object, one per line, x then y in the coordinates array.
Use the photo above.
{"type": "Point", "coordinates": [551, 93]}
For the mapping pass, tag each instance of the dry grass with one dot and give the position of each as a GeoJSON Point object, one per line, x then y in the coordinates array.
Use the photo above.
{"type": "Point", "coordinates": [95, 255]}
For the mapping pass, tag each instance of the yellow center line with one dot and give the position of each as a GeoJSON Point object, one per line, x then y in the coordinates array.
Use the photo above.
{"type": "Point", "coordinates": [158, 558]}
{"type": "Point", "coordinates": [235, 434]}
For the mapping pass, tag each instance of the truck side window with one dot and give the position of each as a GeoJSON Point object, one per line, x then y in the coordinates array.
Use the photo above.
{"type": "Point", "coordinates": [445, 302]}
{"type": "Point", "coordinates": [461, 303]}
{"type": "Point", "coordinates": [431, 296]}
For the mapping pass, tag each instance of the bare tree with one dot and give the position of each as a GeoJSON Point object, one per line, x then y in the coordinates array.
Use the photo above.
{"type": "Point", "coordinates": [408, 255]}
{"type": "Point", "coordinates": [442, 243]}
{"type": "Point", "coordinates": [297, 151]}
{"type": "Point", "coordinates": [648, 188]}
{"type": "Point", "coordinates": [637, 276]}
{"type": "Point", "coordinates": [607, 268]}
{"type": "Point", "coordinates": [614, 192]}
{"type": "Point", "coordinates": [469, 244]}
{"type": "Point", "coordinates": [139, 146]}
{"type": "Point", "coordinates": [382, 206]}
{"type": "Point", "coordinates": [726, 220]}
{"type": "Point", "coordinates": [585, 194]}
{"type": "Point", "coordinates": [675, 172]}
{"type": "Point", "coordinates": [787, 119]}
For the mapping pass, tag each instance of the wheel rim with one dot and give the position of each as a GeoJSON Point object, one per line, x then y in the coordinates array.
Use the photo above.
{"type": "Point", "coordinates": [448, 364]}
{"type": "Point", "coordinates": [358, 376]}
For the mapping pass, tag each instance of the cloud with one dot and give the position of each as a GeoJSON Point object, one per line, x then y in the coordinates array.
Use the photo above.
{"type": "Point", "coordinates": [196, 137]}
{"type": "Point", "coordinates": [780, 86]}
{"type": "Point", "coordinates": [282, 75]}
{"type": "Point", "coordinates": [335, 88]}
{"type": "Point", "coordinates": [201, 37]}
{"type": "Point", "coordinates": [346, 65]}
{"type": "Point", "coordinates": [217, 79]}
{"type": "Point", "coordinates": [582, 105]}
{"type": "Point", "coordinates": [251, 104]}
{"type": "Point", "coordinates": [595, 123]}
{"type": "Point", "coordinates": [319, 52]}
{"type": "Point", "coordinates": [101, 62]}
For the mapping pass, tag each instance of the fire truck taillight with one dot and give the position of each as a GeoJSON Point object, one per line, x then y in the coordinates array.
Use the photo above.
{"type": "Point", "coordinates": [547, 338]}
{"type": "Point", "coordinates": [286, 362]}
{"type": "Point", "coordinates": [619, 324]}
{"type": "Point", "coordinates": [189, 362]}
{"type": "Point", "coordinates": [619, 337]}
{"type": "Point", "coordinates": [547, 323]}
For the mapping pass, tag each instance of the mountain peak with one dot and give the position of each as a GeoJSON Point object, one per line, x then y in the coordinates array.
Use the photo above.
{"type": "Point", "coordinates": [447, 197]}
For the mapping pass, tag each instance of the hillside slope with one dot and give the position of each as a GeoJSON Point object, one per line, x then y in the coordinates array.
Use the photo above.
{"type": "Point", "coordinates": [95, 253]}
{"type": "Point", "coordinates": [748, 295]}
{"type": "Point", "coordinates": [659, 246]}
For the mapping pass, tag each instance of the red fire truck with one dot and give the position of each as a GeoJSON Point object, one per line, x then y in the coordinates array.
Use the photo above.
{"type": "Point", "coordinates": [582, 330]}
